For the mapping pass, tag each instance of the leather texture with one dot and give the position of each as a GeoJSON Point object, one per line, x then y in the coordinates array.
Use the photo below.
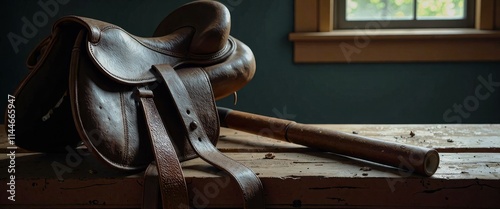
{"type": "Point", "coordinates": [128, 98]}
{"type": "Point", "coordinates": [171, 179]}
{"type": "Point", "coordinates": [247, 180]}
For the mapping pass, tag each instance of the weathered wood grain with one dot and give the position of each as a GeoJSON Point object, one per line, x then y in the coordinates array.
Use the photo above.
{"type": "Point", "coordinates": [295, 177]}
{"type": "Point", "coordinates": [313, 179]}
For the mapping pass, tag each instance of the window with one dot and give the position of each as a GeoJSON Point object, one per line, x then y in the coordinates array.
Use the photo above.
{"type": "Point", "coordinates": [405, 13]}
{"type": "Point", "coordinates": [317, 37]}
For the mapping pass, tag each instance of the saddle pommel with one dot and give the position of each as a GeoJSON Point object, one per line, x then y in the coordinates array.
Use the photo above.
{"type": "Point", "coordinates": [210, 21]}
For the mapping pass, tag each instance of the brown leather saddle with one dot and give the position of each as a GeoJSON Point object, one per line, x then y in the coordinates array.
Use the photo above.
{"type": "Point", "coordinates": [137, 102]}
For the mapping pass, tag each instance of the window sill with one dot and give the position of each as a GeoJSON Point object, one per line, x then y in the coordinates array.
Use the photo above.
{"type": "Point", "coordinates": [396, 45]}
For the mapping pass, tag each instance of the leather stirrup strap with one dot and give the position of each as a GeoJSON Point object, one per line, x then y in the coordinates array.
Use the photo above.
{"type": "Point", "coordinates": [249, 183]}
{"type": "Point", "coordinates": [172, 183]}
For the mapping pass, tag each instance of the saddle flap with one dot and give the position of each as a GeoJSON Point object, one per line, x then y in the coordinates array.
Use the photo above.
{"type": "Point", "coordinates": [109, 121]}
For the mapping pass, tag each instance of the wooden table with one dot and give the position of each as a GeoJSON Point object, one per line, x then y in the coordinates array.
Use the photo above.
{"type": "Point", "coordinates": [297, 177]}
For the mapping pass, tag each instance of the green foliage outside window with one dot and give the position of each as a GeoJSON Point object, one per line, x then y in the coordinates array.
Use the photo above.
{"type": "Point", "coordinates": [404, 9]}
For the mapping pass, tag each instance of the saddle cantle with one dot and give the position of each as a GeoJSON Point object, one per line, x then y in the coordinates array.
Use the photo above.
{"type": "Point", "coordinates": [136, 100]}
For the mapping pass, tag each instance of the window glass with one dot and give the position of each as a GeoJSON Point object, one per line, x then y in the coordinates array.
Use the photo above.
{"type": "Point", "coordinates": [379, 10]}
{"type": "Point", "coordinates": [405, 13]}
{"type": "Point", "coordinates": [440, 9]}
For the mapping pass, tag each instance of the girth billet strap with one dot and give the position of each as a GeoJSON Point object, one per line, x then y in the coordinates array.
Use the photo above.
{"type": "Point", "coordinates": [250, 184]}
{"type": "Point", "coordinates": [172, 182]}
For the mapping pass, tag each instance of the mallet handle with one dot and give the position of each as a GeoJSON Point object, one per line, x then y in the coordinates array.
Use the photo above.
{"type": "Point", "coordinates": [411, 158]}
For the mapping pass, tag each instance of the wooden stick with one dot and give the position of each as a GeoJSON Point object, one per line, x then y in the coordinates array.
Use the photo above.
{"type": "Point", "coordinates": [411, 158]}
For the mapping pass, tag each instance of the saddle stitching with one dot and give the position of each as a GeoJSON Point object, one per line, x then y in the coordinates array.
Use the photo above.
{"type": "Point", "coordinates": [217, 57]}
{"type": "Point", "coordinates": [125, 128]}
{"type": "Point", "coordinates": [154, 48]}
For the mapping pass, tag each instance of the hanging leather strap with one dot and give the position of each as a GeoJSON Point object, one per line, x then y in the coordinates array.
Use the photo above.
{"type": "Point", "coordinates": [249, 183]}
{"type": "Point", "coordinates": [172, 183]}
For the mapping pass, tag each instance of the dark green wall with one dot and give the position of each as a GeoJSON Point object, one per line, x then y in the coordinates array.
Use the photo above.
{"type": "Point", "coordinates": [308, 93]}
